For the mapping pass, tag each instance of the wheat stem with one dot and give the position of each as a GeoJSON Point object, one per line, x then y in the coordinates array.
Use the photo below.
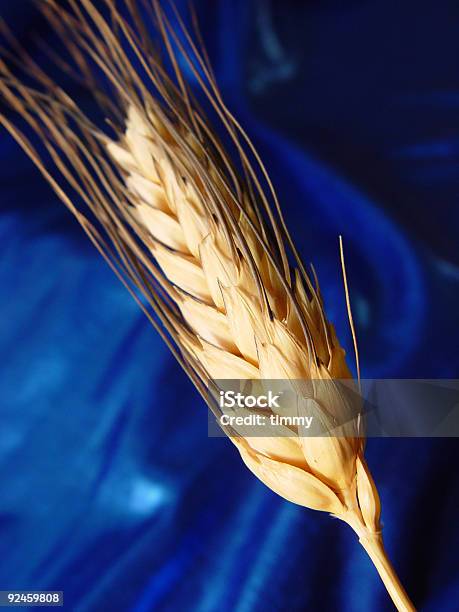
{"type": "Point", "coordinates": [370, 538]}
{"type": "Point", "coordinates": [373, 544]}
{"type": "Point", "coordinates": [375, 549]}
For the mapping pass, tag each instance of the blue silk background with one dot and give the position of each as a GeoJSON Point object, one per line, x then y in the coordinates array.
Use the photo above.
{"type": "Point", "coordinates": [110, 489]}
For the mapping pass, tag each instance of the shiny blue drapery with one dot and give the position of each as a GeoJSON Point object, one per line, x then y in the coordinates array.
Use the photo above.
{"type": "Point", "coordinates": [110, 489]}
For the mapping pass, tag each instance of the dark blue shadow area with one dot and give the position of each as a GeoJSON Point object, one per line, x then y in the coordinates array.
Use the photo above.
{"type": "Point", "coordinates": [110, 489]}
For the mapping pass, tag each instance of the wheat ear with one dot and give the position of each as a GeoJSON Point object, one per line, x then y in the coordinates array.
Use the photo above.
{"type": "Point", "coordinates": [233, 337]}
{"type": "Point", "coordinates": [203, 241]}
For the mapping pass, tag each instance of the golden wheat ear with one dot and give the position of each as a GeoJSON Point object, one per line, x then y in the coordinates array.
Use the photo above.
{"type": "Point", "coordinates": [196, 234]}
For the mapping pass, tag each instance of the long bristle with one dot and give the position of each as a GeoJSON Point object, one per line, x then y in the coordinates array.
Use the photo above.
{"type": "Point", "coordinates": [177, 223]}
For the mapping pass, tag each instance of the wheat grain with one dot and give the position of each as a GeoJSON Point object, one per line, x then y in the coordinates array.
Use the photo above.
{"type": "Point", "coordinates": [233, 334]}
{"type": "Point", "coordinates": [206, 248]}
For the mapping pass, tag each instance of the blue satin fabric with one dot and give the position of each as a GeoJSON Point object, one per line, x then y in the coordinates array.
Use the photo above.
{"type": "Point", "coordinates": [110, 489]}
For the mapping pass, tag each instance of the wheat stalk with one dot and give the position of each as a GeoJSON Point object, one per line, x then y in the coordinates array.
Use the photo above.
{"type": "Point", "coordinates": [206, 245]}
